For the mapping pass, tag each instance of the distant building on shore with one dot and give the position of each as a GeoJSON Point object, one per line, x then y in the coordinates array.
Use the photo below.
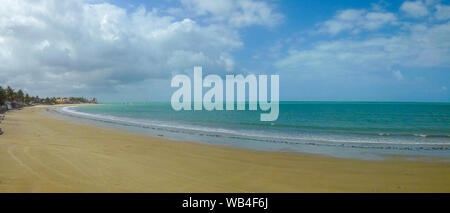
{"type": "Point", "coordinates": [93, 101]}
{"type": "Point", "coordinates": [11, 105]}
{"type": "Point", "coordinates": [8, 105]}
{"type": "Point", "coordinates": [63, 101]}
{"type": "Point", "coordinates": [73, 100]}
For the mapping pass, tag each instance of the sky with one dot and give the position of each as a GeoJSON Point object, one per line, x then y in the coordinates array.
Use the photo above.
{"type": "Point", "coordinates": [128, 51]}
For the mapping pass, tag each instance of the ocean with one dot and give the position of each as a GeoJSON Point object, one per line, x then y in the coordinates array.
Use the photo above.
{"type": "Point", "coordinates": [370, 130]}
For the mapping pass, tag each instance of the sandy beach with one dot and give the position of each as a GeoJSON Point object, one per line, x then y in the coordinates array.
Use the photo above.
{"type": "Point", "coordinates": [42, 154]}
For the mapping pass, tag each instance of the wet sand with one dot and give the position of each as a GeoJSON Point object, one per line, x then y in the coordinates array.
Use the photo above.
{"type": "Point", "coordinates": [42, 154]}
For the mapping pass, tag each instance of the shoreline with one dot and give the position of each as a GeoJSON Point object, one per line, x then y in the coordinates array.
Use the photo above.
{"type": "Point", "coordinates": [333, 147]}
{"type": "Point", "coordinates": [43, 154]}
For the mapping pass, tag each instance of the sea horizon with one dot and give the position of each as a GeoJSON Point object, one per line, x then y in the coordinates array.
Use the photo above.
{"type": "Point", "coordinates": [286, 101]}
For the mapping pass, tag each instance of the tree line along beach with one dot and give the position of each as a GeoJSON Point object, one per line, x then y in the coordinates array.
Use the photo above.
{"type": "Point", "coordinates": [16, 100]}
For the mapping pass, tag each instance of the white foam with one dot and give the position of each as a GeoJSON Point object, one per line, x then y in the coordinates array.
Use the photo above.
{"type": "Point", "coordinates": [140, 122]}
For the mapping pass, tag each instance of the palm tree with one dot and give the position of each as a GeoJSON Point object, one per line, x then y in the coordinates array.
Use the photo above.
{"type": "Point", "coordinates": [10, 94]}
{"type": "Point", "coordinates": [19, 96]}
{"type": "Point", "coordinates": [2, 96]}
{"type": "Point", "coordinates": [27, 99]}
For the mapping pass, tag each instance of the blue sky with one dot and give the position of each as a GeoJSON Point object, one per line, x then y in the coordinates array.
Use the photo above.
{"type": "Point", "coordinates": [122, 51]}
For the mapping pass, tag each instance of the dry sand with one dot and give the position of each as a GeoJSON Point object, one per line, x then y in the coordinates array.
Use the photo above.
{"type": "Point", "coordinates": [42, 154]}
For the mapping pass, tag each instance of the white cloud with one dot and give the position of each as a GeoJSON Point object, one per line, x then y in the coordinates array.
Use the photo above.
{"type": "Point", "coordinates": [356, 21]}
{"type": "Point", "coordinates": [421, 46]}
{"type": "Point", "coordinates": [238, 13]}
{"type": "Point", "coordinates": [77, 45]}
{"type": "Point", "coordinates": [398, 75]}
{"type": "Point", "coordinates": [410, 44]}
{"type": "Point", "coordinates": [414, 9]}
{"type": "Point", "coordinates": [442, 12]}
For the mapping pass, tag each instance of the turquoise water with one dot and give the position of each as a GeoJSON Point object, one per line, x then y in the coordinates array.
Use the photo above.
{"type": "Point", "coordinates": [336, 128]}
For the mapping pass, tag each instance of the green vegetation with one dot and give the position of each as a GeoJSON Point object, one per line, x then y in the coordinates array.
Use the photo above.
{"type": "Point", "coordinates": [19, 99]}
{"type": "Point", "coordinates": [2, 96]}
{"type": "Point", "coordinates": [19, 96]}
{"type": "Point", "coordinates": [9, 94]}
